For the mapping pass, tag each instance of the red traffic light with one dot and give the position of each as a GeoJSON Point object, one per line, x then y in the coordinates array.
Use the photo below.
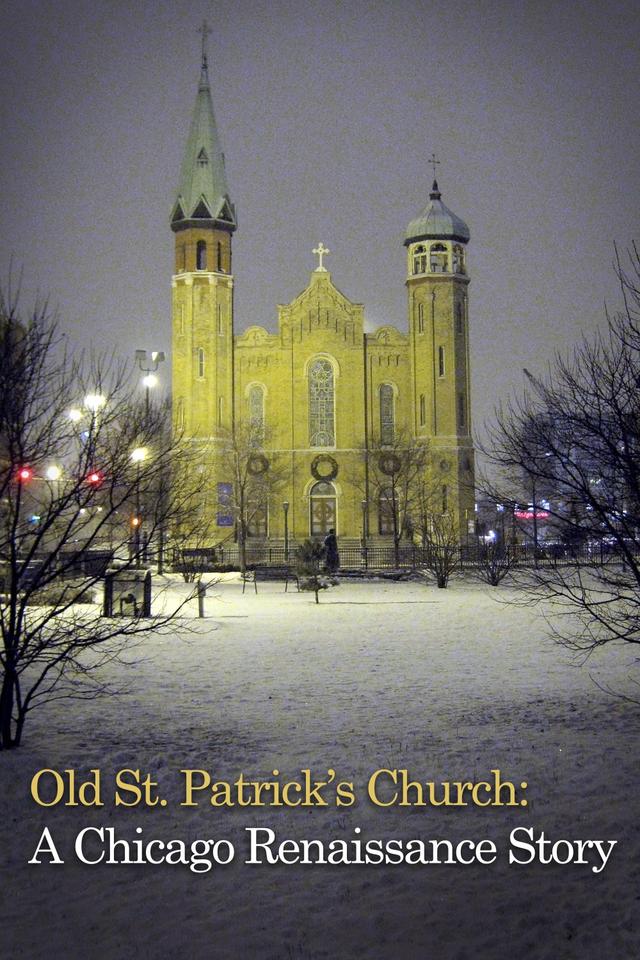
{"type": "Point", "coordinates": [95, 478]}
{"type": "Point", "coordinates": [25, 474]}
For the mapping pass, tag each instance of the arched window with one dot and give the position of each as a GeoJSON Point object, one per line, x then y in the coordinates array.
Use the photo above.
{"type": "Point", "coordinates": [423, 410]}
{"type": "Point", "coordinates": [201, 255]}
{"type": "Point", "coordinates": [386, 511]}
{"type": "Point", "coordinates": [322, 501]}
{"type": "Point", "coordinates": [441, 368]}
{"type": "Point", "coordinates": [200, 363]}
{"type": "Point", "coordinates": [458, 259]}
{"type": "Point", "coordinates": [321, 404]}
{"type": "Point", "coordinates": [387, 414]}
{"type": "Point", "coordinates": [438, 258]}
{"type": "Point", "coordinates": [256, 413]}
{"type": "Point", "coordinates": [421, 318]}
{"type": "Point", "coordinates": [420, 259]}
{"type": "Point", "coordinates": [220, 258]}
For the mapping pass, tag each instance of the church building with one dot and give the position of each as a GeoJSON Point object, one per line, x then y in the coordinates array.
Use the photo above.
{"type": "Point", "coordinates": [339, 412]}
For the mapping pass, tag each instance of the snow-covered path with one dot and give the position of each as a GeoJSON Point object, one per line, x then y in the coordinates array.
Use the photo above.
{"type": "Point", "coordinates": [446, 684]}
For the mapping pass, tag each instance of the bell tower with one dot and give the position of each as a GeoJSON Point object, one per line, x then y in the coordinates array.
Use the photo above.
{"type": "Point", "coordinates": [437, 282]}
{"type": "Point", "coordinates": [203, 220]}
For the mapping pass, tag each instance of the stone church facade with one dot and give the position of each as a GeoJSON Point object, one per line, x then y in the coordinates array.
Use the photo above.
{"type": "Point", "coordinates": [334, 406]}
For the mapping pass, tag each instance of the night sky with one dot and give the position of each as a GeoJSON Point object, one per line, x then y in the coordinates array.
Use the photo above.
{"type": "Point", "coordinates": [328, 113]}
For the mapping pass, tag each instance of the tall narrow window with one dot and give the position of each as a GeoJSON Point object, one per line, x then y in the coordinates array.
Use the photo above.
{"type": "Point", "coordinates": [180, 414]}
{"type": "Point", "coordinates": [441, 361]}
{"type": "Point", "coordinates": [438, 258]}
{"type": "Point", "coordinates": [219, 257]}
{"type": "Point", "coordinates": [182, 258]}
{"type": "Point", "coordinates": [321, 404]}
{"type": "Point", "coordinates": [181, 318]}
{"type": "Point", "coordinates": [445, 499]}
{"type": "Point", "coordinates": [256, 413]}
{"type": "Point", "coordinates": [387, 418]}
{"type": "Point", "coordinates": [458, 259]}
{"type": "Point", "coordinates": [462, 411]}
{"type": "Point", "coordinates": [421, 318]}
{"type": "Point", "coordinates": [200, 363]}
{"type": "Point", "coordinates": [423, 410]}
{"type": "Point", "coordinates": [220, 327]}
{"type": "Point", "coordinates": [420, 259]}
{"type": "Point", "coordinates": [201, 255]}
{"type": "Point", "coordinates": [220, 410]}
{"type": "Point", "coordinates": [459, 319]}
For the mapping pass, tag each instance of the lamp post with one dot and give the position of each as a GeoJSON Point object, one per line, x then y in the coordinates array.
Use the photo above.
{"type": "Point", "coordinates": [138, 456]}
{"type": "Point", "coordinates": [148, 364]}
{"type": "Point", "coordinates": [285, 508]}
{"type": "Point", "coordinates": [364, 504]}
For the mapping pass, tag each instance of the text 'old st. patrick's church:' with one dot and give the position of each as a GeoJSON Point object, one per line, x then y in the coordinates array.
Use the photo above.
{"type": "Point", "coordinates": [343, 420]}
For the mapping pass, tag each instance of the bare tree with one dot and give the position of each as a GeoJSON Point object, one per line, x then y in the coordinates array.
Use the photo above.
{"type": "Point", "coordinates": [396, 474]}
{"type": "Point", "coordinates": [495, 562]}
{"type": "Point", "coordinates": [438, 530]}
{"type": "Point", "coordinates": [254, 477]}
{"type": "Point", "coordinates": [79, 462]}
{"type": "Point", "coordinates": [576, 433]}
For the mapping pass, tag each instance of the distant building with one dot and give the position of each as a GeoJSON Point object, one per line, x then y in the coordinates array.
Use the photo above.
{"type": "Point", "coordinates": [320, 388]}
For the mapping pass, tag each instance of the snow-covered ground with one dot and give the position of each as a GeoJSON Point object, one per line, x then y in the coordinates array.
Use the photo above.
{"type": "Point", "coordinates": [446, 684]}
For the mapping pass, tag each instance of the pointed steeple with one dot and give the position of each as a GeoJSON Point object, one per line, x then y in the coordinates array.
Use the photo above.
{"type": "Point", "coordinates": [203, 194]}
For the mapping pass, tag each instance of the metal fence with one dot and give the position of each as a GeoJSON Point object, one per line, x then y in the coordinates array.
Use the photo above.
{"type": "Point", "coordinates": [407, 556]}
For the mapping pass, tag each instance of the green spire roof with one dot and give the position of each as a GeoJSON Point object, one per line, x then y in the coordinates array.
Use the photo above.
{"type": "Point", "coordinates": [203, 193]}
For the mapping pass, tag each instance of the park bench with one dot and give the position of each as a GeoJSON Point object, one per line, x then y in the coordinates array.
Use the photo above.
{"type": "Point", "coordinates": [266, 573]}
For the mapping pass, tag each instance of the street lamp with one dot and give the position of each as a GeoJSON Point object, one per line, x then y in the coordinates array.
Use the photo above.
{"type": "Point", "coordinates": [148, 364]}
{"type": "Point", "coordinates": [138, 456]}
{"type": "Point", "coordinates": [93, 402]}
{"type": "Point", "coordinates": [285, 508]}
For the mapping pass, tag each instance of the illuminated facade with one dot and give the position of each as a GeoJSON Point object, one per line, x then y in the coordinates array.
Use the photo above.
{"type": "Point", "coordinates": [319, 390]}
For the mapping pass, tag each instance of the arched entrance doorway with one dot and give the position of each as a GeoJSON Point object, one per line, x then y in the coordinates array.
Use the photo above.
{"type": "Point", "coordinates": [323, 508]}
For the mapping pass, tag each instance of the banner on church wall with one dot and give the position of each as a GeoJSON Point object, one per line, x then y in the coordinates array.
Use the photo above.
{"type": "Point", "coordinates": [225, 517]}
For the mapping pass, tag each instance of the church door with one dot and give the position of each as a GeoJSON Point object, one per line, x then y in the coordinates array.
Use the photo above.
{"type": "Point", "coordinates": [323, 508]}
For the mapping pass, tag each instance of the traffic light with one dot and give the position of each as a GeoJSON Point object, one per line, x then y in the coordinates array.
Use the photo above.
{"type": "Point", "coordinates": [25, 474]}
{"type": "Point", "coordinates": [95, 478]}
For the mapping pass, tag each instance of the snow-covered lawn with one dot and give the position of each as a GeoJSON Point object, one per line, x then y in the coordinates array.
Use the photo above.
{"type": "Point", "coordinates": [446, 684]}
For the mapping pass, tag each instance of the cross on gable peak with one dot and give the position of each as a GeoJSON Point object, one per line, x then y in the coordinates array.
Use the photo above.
{"type": "Point", "coordinates": [321, 251]}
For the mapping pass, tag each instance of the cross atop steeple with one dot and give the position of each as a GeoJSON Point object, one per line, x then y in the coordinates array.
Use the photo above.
{"type": "Point", "coordinates": [321, 251]}
{"type": "Point", "coordinates": [205, 29]}
{"type": "Point", "coordinates": [433, 163]}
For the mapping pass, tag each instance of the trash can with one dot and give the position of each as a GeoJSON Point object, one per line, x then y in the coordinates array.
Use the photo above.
{"type": "Point", "coordinates": [127, 593]}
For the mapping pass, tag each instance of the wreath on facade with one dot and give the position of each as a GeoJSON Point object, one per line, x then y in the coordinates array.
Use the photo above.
{"type": "Point", "coordinates": [389, 464]}
{"type": "Point", "coordinates": [257, 464]}
{"type": "Point", "coordinates": [324, 467]}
